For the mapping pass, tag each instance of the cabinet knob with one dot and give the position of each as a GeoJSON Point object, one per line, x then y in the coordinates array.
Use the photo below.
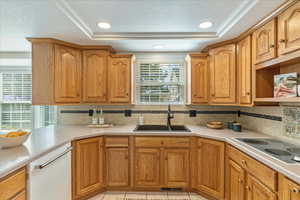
{"type": "Point", "coordinates": [166, 158]}
{"type": "Point", "coordinates": [212, 95]}
{"type": "Point", "coordinates": [295, 190]}
{"type": "Point", "coordinates": [127, 94]}
{"type": "Point", "coordinates": [241, 181]}
{"type": "Point", "coordinates": [244, 163]}
{"type": "Point", "coordinates": [126, 157]}
{"type": "Point", "coordinates": [282, 41]}
{"type": "Point", "coordinates": [248, 93]}
{"type": "Point", "coordinates": [248, 188]}
{"type": "Point", "coordinates": [272, 46]}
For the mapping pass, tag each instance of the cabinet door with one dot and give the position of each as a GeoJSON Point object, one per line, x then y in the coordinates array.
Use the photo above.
{"type": "Point", "coordinates": [210, 164]}
{"type": "Point", "coordinates": [235, 180]}
{"type": "Point", "coordinates": [223, 75]}
{"type": "Point", "coordinates": [94, 76]}
{"type": "Point", "coordinates": [119, 80]}
{"type": "Point", "coordinates": [21, 196]}
{"type": "Point", "coordinates": [256, 190]}
{"type": "Point", "coordinates": [264, 43]}
{"type": "Point", "coordinates": [288, 190]}
{"type": "Point", "coordinates": [67, 75]}
{"type": "Point", "coordinates": [117, 167]}
{"type": "Point", "coordinates": [147, 168]}
{"type": "Point", "coordinates": [88, 166]}
{"type": "Point", "coordinates": [199, 80]}
{"type": "Point", "coordinates": [244, 71]}
{"type": "Point", "coordinates": [289, 30]}
{"type": "Point", "coordinates": [176, 167]}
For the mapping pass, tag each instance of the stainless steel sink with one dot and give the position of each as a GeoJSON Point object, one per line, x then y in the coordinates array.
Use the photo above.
{"type": "Point", "coordinates": [173, 128]}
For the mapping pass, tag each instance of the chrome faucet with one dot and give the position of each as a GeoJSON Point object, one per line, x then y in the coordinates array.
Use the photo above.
{"type": "Point", "coordinates": [169, 117]}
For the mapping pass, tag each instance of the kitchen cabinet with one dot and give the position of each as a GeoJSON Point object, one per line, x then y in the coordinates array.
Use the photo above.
{"type": "Point", "coordinates": [210, 167]}
{"type": "Point", "coordinates": [13, 186]}
{"type": "Point", "coordinates": [199, 78]}
{"type": "Point", "coordinates": [67, 75]}
{"type": "Point", "coordinates": [235, 184]}
{"type": "Point", "coordinates": [289, 30]}
{"type": "Point", "coordinates": [223, 75]}
{"type": "Point", "coordinates": [288, 190]}
{"type": "Point", "coordinates": [256, 190]}
{"type": "Point", "coordinates": [88, 167]}
{"type": "Point", "coordinates": [95, 64]}
{"type": "Point", "coordinates": [147, 169]}
{"type": "Point", "coordinates": [244, 83]}
{"type": "Point", "coordinates": [119, 74]}
{"type": "Point", "coordinates": [264, 43]}
{"type": "Point", "coordinates": [176, 166]}
{"type": "Point", "coordinates": [117, 167]}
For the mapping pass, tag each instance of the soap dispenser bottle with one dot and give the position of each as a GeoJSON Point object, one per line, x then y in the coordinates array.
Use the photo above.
{"type": "Point", "coordinates": [94, 117]}
{"type": "Point", "coordinates": [101, 117]}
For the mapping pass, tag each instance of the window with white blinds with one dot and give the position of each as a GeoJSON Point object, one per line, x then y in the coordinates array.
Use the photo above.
{"type": "Point", "coordinates": [15, 103]}
{"type": "Point", "coordinates": [160, 83]}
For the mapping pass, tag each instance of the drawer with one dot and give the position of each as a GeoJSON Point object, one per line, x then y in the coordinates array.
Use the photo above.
{"type": "Point", "coordinates": [21, 196]}
{"type": "Point", "coordinates": [116, 141]}
{"type": "Point", "coordinates": [162, 142]}
{"type": "Point", "coordinates": [12, 185]}
{"type": "Point", "coordinates": [265, 174]}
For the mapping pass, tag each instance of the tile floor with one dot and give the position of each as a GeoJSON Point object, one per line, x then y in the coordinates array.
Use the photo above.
{"type": "Point", "coordinates": [147, 196]}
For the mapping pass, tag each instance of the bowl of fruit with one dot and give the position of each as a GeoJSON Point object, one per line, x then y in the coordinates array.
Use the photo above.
{"type": "Point", "coordinates": [13, 139]}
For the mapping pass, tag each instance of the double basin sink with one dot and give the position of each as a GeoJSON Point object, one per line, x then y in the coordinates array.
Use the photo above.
{"type": "Point", "coordinates": [162, 128]}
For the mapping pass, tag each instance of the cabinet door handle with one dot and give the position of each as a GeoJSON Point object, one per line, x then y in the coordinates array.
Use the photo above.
{"type": "Point", "coordinates": [54, 159]}
{"type": "Point", "coordinates": [282, 41]}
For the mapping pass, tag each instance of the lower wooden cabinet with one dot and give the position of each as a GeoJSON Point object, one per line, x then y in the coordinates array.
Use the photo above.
{"type": "Point", "coordinates": [87, 166]}
{"type": "Point", "coordinates": [256, 190]}
{"type": "Point", "coordinates": [176, 166]}
{"type": "Point", "coordinates": [117, 167]}
{"type": "Point", "coordinates": [235, 185]}
{"type": "Point", "coordinates": [288, 190]}
{"type": "Point", "coordinates": [21, 196]}
{"type": "Point", "coordinates": [210, 167]}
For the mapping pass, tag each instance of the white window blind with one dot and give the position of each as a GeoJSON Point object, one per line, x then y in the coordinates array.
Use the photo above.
{"type": "Point", "coordinates": [160, 83]}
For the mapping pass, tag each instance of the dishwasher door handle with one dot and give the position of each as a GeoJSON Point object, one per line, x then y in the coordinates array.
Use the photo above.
{"type": "Point", "coordinates": [54, 159]}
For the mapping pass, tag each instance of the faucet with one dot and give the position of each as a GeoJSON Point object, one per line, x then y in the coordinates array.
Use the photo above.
{"type": "Point", "coordinates": [169, 117]}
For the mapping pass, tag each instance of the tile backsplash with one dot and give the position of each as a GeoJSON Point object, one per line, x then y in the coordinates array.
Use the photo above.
{"type": "Point", "coordinates": [291, 121]}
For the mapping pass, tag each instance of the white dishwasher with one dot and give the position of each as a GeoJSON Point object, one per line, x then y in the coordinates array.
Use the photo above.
{"type": "Point", "coordinates": [50, 175]}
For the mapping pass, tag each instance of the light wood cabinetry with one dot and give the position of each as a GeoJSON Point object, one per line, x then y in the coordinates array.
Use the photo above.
{"type": "Point", "coordinates": [223, 75]}
{"type": "Point", "coordinates": [199, 78]}
{"type": "Point", "coordinates": [95, 64]}
{"type": "Point", "coordinates": [288, 190]}
{"type": "Point", "coordinates": [264, 43]}
{"type": "Point", "coordinates": [13, 186]}
{"type": "Point", "coordinates": [210, 167]}
{"type": "Point", "coordinates": [119, 78]}
{"type": "Point", "coordinates": [289, 30]}
{"type": "Point", "coordinates": [88, 167]}
{"type": "Point", "coordinates": [235, 185]}
{"type": "Point", "coordinates": [256, 190]}
{"type": "Point", "coordinates": [67, 75]}
{"type": "Point", "coordinates": [244, 82]}
{"type": "Point", "coordinates": [117, 161]}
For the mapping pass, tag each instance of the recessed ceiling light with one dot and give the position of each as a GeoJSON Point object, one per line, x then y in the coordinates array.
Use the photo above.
{"type": "Point", "coordinates": [158, 46]}
{"type": "Point", "coordinates": [206, 24]}
{"type": "Point", "coordinates": [104, 25]}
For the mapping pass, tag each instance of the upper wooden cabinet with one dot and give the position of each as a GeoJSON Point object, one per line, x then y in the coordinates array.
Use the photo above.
{"type": "Point", "coordinates": [244, 83]}
{"type": "Point", "coordinates": [223, 75]}
{"type": "Point", "coordinates": [67, 75]}
{"type": "Point", "coordinates": [264, 43]}
{"type": "Point", "coordinates": [87, 167]}
{"type": "Point", "coordinates": [289, 30]}
{"type": "Point", "coordinates": [119, 74]}
{"type": "Point", "coordinates": [199, 78]}
{"type": "Point", "coordinates": [95, 64]}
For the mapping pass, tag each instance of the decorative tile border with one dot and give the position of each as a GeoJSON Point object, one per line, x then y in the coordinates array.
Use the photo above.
{"type": "Point", "coordinates": [262, 116]}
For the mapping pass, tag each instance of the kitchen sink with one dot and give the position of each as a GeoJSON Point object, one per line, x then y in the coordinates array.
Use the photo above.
{"type": "Point", "coordinates": [173, 128]}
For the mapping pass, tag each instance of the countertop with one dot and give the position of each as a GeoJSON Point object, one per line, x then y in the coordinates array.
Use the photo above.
{"type": "Point", "coordinates": [44, 140]}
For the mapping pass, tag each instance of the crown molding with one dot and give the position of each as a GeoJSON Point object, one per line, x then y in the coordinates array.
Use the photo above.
{"type": "Point", "coordinates": [233, 19]}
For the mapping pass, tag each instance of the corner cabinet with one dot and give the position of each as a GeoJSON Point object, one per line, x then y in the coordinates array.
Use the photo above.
{"type": "Point", "coordinates": [87, 167]}
{"type": "Point", "coordinates": [119, 74]}
{"type": "Point", "coordinates": [223, 75]}
{"type": "Point", "coordinates": [199, 78]}
{"type": "Point", "coordinates": [95, 76]}
{"type": "Point", "coordinates": [289, 30]}
{"type": "Point", "coordinates": [67, 75]}
{"type": "Point", "coordinates": [264, 43]}
{"type": "Point", "coordinates": [244, 78]}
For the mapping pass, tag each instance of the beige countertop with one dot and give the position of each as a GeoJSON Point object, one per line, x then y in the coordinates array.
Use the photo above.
{"type": "Point", "coordinates": [44, 140]}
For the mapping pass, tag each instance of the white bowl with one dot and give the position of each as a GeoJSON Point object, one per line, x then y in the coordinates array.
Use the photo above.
{"type": "Point", "coordinates": [9, 142]}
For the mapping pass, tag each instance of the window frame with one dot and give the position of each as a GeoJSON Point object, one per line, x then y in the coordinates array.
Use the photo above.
{"type": "Point", "coordinates": [159, 61]}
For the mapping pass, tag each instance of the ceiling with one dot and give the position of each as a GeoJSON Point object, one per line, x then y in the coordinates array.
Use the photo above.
{"type": "Point", "coordinates": [137, 25]}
